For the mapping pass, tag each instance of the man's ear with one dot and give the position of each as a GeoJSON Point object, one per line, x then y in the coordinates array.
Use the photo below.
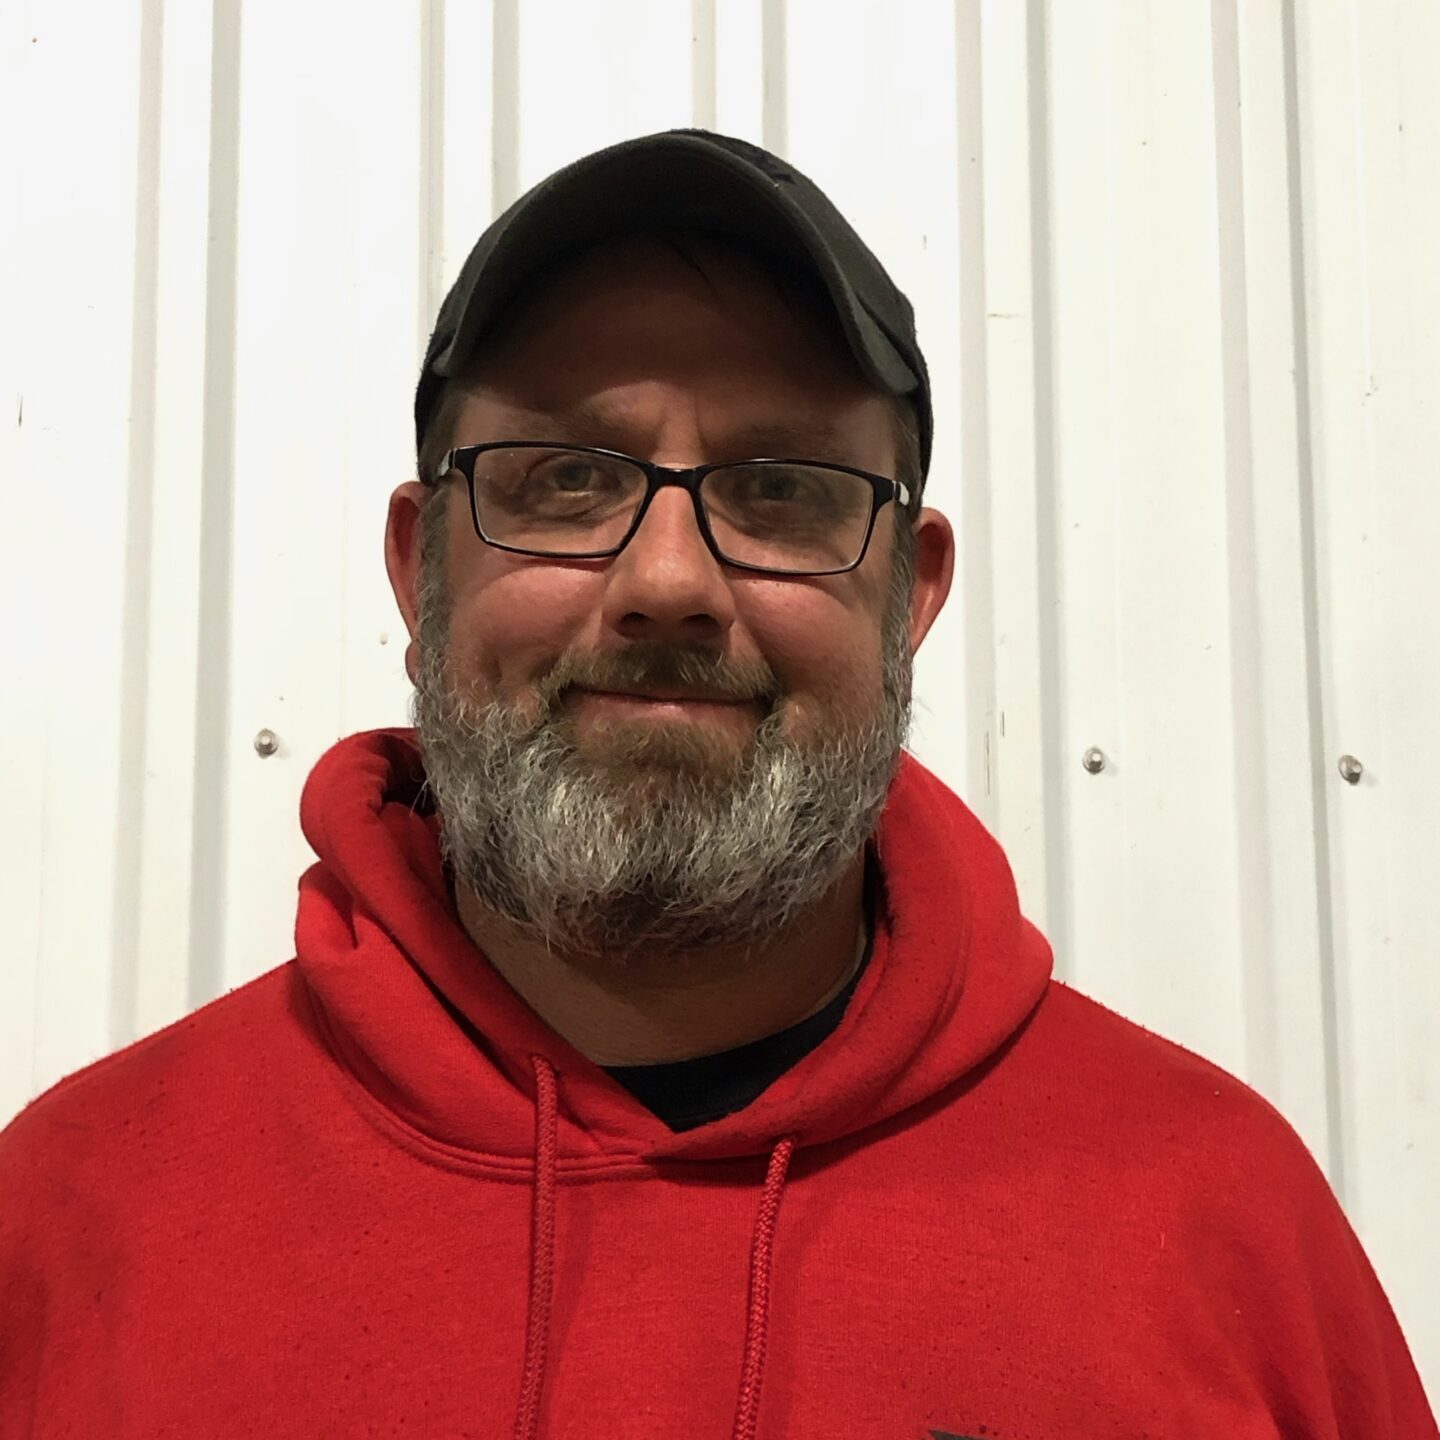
{"type": "Point", "coordinates": [934, 570]}
{"type": "Point", "coordinates": [402, 560]}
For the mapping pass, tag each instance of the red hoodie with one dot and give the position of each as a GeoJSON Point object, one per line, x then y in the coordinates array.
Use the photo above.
{"type": "Point", "coordinates": [372, 1194]}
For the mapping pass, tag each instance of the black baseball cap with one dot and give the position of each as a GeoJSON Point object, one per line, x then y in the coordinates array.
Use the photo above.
{"type": "Point", "coordinates": [693, 180]}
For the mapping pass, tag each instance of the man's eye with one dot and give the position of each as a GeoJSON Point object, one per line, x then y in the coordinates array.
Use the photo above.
{"type": "Point", "coordinates": [573, 476]}
{"type": "Point", "coordinates": [776, 485]}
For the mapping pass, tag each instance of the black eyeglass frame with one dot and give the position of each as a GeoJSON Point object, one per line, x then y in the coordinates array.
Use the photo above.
{"type": "Point", "coordinates": [463, 459]}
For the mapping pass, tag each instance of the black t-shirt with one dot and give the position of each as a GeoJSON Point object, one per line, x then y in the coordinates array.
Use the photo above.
{"type": "Point", "coordinates": [689, 1093]}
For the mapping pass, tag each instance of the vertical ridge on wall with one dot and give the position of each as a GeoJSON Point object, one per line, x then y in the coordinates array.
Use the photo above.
{"type": "Point", "coordinates": [970, 488]}
{"type": "Point", "coordinates": [209, 912]}
{"type": "Point", "coordinates": [505, 112]}
{"type": "Point", "coordinates": [1087, 415]}
{"type": "Point", "coordinates": [740, 83]}
{"type": "Point", "coordinates": [433, 101]}
{"type": "Point", "coordinates": [1320, 876]}
{"type": "Point", "coordinates": [164, 685]}
{"type": "Point", "coordinates": [1252, 798]}
{"type": "Point", "coordinates": [775, 67]}
{"type": "Point", "coordinates": [703, 63]}
{"type": "Point", "coordinates": [1021, 445]}
{"type": "Point", "coordinates": [136, 601]}
{"type": "Point", "coordinates": [478, 54]}
{"type": "Point", "coordinates": [164, 839]}
{"type": "Point", "coordinates": [1047, 558]}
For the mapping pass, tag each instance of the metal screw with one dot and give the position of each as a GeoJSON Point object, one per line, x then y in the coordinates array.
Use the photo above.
{"type": "Point", "coordinates": [266, 743]}
{"type": "Point", "coordinates": [1351, 769]}
{"type": "Point", "coordinates": [1093, 760]}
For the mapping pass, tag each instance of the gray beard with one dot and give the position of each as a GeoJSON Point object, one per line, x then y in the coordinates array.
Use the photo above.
{"type": "Point", "coordinates": [653, 837]}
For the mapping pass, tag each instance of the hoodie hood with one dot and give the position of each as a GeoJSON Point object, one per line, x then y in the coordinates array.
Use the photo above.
{"type": "Point", "coordinates": [441, 1040]}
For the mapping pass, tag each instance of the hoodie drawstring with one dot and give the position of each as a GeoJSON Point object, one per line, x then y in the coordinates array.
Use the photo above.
{"type": "Point", "coordinates": [542, 1269]}
{"type": "Point", "coordinates": [752, 1371]}
{"type": "Point", "coordinates": [542, 1252]}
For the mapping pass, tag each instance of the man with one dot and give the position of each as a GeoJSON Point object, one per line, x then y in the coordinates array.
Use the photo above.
{"type": "Point", "coordinates": [665, 1052]}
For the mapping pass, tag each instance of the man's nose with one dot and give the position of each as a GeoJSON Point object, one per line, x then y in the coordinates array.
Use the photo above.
{"type": "Point", "coordinates": [665, 583]}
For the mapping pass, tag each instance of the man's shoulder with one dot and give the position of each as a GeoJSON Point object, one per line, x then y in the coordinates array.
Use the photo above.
{"type": "Point", "coordinates": [1136, 1092]}
{"type": "Point", "coordinates": [175, 1076]}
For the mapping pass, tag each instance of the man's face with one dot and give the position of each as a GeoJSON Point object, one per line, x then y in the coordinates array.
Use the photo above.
{"type": "Point", "coordinates": [616, 825]}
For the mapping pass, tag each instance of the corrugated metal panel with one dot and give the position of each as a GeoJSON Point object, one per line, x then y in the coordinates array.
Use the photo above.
{"type": "Point", "coordinates": [1175, 268]}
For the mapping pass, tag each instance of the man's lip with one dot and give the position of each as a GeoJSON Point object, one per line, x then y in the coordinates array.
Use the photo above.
{"type": "Point", "coordinates": [662, 697]}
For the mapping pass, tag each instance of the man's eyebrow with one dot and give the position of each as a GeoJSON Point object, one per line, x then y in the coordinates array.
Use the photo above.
{"type": "Point", "coordinates": [585, 423]}
{"type": "Point", "coordinates": [800, 439]}
{"type": "Point", "coordinates": [580, 422]}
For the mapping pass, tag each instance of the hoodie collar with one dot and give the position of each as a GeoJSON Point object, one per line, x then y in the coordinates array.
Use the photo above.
{"type": "Point", "coordinates": [440, 1039]}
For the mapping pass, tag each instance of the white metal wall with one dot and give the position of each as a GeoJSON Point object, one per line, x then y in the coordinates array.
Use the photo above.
{"type": "Point", "coordinates": [1177, 266]}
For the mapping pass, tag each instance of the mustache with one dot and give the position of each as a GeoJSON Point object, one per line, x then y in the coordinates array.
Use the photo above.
{"type": "Point", "coordinates": [656, 664]}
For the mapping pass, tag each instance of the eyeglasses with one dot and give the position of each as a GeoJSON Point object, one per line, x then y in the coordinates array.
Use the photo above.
{"type": "Point", "coordinates": [784, 517]}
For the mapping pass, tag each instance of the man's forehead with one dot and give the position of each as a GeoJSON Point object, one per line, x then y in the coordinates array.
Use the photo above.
{"type": "Point", "coordinates": [788, 433]}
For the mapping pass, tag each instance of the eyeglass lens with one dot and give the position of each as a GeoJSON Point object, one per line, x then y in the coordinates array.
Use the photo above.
{"type": "Point", "coordinates": [785, 517]}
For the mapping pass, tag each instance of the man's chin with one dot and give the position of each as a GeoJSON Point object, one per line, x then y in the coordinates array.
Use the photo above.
{"type": "Point", "coordinates": [658, 752]}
